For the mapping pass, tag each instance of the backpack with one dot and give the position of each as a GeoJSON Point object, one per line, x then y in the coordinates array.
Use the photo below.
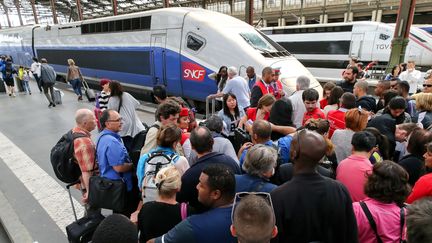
{"type": "Point", "coordinates": [154, 163]}
{"type": "Point", "coordinates": [62, 158]}
{"type": "Point", "coordinates": [8, 70]}
{"type": "Point", "coordinates": [138, 142]}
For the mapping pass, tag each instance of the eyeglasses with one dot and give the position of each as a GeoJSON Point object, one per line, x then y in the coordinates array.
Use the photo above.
{"type": "Point", "coordinates": [427, 85]}
{"type": "Point", "coordinates": [116, 120]}
{"type": "Point", "coordinates": [240, 195]}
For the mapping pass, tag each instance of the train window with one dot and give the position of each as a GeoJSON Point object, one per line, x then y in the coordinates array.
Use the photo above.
{"type": "Point", "coordinates": [98, 27]}
{"type": "Point", "coordinates": [321, 29]}
{"type": "Point", "coordinates": [84, 28]}
{"type": "Point", "coordinates": [194, 42]}
{"type": "Point", "coordinates": [112, 26]}
{"type": "Point", "coordinates": [145, 22]}
{"type": "Point", "coordinates": [311, 30]}
{"type": "Point", "coordinates": [136, 24]}
{"type": "Point", "coordinates": [384, 36]}
{"type": "Point", "coordinates": [280, 31]}
{"type": "Point", "coordinates": [119, 25]}
{"type": "Point", "coordinates": [257, 42]}
{"type": "Point", "coordinates": [105, 27]}
{"type": "Point", "coordinates": [91, 28]}
{"type": "Point", "coordinates": [269, 32]}
{"type": "Point", "coordinates": [127, 24]}
{"type": "Point", "coordinates": [278, 47]}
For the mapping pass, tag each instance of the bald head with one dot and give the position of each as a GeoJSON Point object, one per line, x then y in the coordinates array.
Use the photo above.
{"type": "Point", "coordinates": [261, 130]}
{"type": "Point", "coordinates": [201, 140]}
{"type": "Point", "coordinates": [307, 148]}
{"type": "Point", "coordinates": [85, 119]}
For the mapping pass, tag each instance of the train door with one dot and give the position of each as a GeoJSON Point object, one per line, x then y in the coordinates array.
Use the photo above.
{"type": "Point", "coordinates": [158, 57]}
{"type": "Point", "coordinates": [356, 45]}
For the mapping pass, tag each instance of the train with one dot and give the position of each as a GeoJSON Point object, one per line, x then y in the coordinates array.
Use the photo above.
{"type": "Point", "coordinates": [175, 47]}
{"type": "Point", "coordinates": [331, 45]}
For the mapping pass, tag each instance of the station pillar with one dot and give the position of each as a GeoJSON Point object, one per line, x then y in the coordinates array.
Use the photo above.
{"type": "Point", "coordinates": [281, 22]}
{"type": "Point", "coordinates": [323, 19]}
{"type": "Point", "coordinates": [17, 5]}
{"type": "Point", "coordinates": [114, 7]}
{"type": "Point", "coordinates": [348, 16]}
{"type": "Point", "coordinates": [249, 12]}
{"type": "Point", "coordinates": [264, 22]}
{"type": "Point", "coordinates": [79, 11]}
{"type": "Point", "coordinates": [54, 13]}
{"type": "Point", "coordinates": [402, 31]}
{"type": "Point", "coordinates": [34, 11]}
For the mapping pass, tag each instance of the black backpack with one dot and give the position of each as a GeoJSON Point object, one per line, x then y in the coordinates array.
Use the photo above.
{"type": "Point", "coordinates": [62, 158]}
{"type": "Point", "coordinates": [137, 144]}
{"type": "Point", "coordinates": [8, 70]}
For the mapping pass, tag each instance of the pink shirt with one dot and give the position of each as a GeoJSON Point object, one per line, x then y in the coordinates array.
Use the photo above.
{"type": "Point", "coordinates": [352, 172]}
{"type": "Point", "coordinates": [386, 217]}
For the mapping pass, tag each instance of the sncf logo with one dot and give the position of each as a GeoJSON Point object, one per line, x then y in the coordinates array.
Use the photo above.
{"type": "Point", "coordinates": [193, 72]}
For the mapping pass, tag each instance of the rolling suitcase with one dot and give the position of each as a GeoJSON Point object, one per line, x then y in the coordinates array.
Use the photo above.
{"type": "Point", "coordinates": [82, 229]}
{"type": "Point", "coordinates": [19, 84]}
{"type": "Point", "coordinates": [2, 86]}
{"type": "Point", "coordinates": [90, 94]}
{"type": "Point", "coordinates": [57, 97]}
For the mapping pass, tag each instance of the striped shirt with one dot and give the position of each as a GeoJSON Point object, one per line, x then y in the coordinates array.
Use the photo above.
{"type": "Point", "coordinates": [103, 100]}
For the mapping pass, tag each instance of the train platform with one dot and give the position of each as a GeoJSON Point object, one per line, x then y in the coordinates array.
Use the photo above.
{"type": "Point", "coordinates": [34, 205]}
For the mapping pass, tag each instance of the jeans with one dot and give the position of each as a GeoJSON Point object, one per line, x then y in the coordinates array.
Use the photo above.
{"type": "Point", "coordinates": [38, 81]}
{"type": "Point", "coordinates": [49, 87]}
{"type": "Point", "coordinates": [76, 85]}
{"type": "Point", "coordinates": [26, 86]}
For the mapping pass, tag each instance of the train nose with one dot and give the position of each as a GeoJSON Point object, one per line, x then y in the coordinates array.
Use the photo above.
{"type": "Point", "coordinates": [290, 70]}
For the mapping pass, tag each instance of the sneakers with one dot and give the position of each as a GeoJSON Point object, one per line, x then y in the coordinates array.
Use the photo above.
{"type": "Point", "coordinates": [51, 105]}
{"type": "Point", "coordinates": [13, 95]}
{"type": "Point", "coordinates": [80, 97]}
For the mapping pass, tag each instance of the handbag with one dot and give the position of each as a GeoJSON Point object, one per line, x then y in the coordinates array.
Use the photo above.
{"type": "Point", "coordinates": [106, 193]}
{"type": "Point", "coordinates": [241, 136]}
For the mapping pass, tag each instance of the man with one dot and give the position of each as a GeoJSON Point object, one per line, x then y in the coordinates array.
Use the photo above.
{"type": "Point", "coordinates": [202, 142]}
{"type": "Point", "coordinates": [160, 94]}
{"type": "Point", "coordinates": [236, 85]}
{"type": "Point", "coordinates": [364, 100]}
{"type": "Point", "coordinates": [302, 83]}
{"type": "Point", "coordinates": [412, 76]}
{"type": "Point", "coordinates": [349, 79]}
{"type": "Point", "coordinates": [278, 91]}
{"type": "Point", "coordinates": [113, 158]}
{"type": "Point", "coordinates": [253, 220]}
{"type": "Point", "coordinates": [402, 88]}
{"type": "Point", "coordinates": [427, 85]}
{"type": "Point", "coordinates": [310, 99]}
{"type": "Point", "coordinates": [84, 148]}
{"type": "Point", "coordinates": [419, 221]}
{"type": "Point", "coordinates": [261, 134]}
{"type": "Point", "coordinates": [8, 71]}
{"type": "Point", "coordinates": [352, 170]}
{"type": "Point", "coordinates": [167, 113]}
{"type": "Point", "coordinates": [262, 86]}
{"type": "Point", "coordinates": [382, 86]}
{"type": "Point", "coordinates": [221, 144]}
{"type": "Point", "coordinates": [337, 117]}
{"type": "Point", "coordinates": [216, 190]}
{"type": "Point", "coordinates": [48, 78]}
{"type": "Point", "coordinates": [35, 68]}
{"type": "Point", "coordinates": [114, 229]}
{"type": "Point", "coordinates": [251, 77]}
{"type": "Point", "coordinates": [312, 208]}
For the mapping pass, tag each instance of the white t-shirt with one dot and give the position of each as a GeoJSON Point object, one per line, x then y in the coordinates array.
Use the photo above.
{"type": "Point", "coordinates": [240, 88]}
{"type": "Point", "coordinates": [413, 78]}
{"type": "Point", "coordinates": [36, 68]}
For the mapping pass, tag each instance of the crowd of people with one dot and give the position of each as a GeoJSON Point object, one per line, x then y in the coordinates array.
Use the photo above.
{"type": "Point", "coordinates": [267, 166]}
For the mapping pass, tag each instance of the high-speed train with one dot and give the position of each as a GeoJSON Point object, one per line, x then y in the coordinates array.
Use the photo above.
{"type": "Point", "coordinates": [331, 45]}
{"type": "Point", "coordinates": [176, 47]}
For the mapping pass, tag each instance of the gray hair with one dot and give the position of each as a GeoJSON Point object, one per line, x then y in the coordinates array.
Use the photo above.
{"type": "Point", "coordinates": [363, 85]}
{"type": "Point", "coordinates": [303, 82]}
{"type": "Point", "coordinates": [232, 71]}
{"type": "Point", "coordinates": [82, 115]}
{"type": "Point", "coordinates": [260, 159]}
{"type": "Point", "coordinates": [419, 221]}
{"type": "Point", "coordinates": [214, 124]}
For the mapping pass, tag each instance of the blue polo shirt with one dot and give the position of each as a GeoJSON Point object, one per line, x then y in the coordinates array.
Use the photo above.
{"type": "Point", "coordinates": [243, 155]}
{"type": "Point", "coordinates": [110, 152]}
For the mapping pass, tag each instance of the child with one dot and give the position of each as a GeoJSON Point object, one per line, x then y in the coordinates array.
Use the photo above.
{"type": "Point", "coordinates": [310, 99]}
{"type": "Point", "coordinates": [25, 80]}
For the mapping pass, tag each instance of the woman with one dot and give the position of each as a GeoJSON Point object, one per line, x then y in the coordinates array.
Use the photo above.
{"type": "Point", "coordinates": [125, 104]}
{"type": "Point", "coordinates": [327, 88]}
{"type": "Point", "coordinates": [355, 120]}
{"type": "Point", "coordinates": [334, 99]}
{"type": "Point", "coordinates": [259, 166]}
{"type": "Point", "coordinates": [396, 108]}
{"type": "Point", "coordinates": [382, 151]}
{"type": "Point", "coordinates": [183, 124]}
{"type": "Point", "coordinates": [280, 115]}
{"type": "Point", "coordinates": [231, 114]}
{"type": "Point", "coordinates": [424, 110]}
{"type": "Point", "coordinates": [157, 217]}
{"type": "Point", "coordinates": [423, 187]}
{"type": "Point", "coordinates": [386, 190]}
{"type": "Point", "coordinates": [104, 94]}
{"type": "Point", "coordinates": [220, 77]}
{"type": "Point", "coordinates": [396, 70]}
{"type": "Point", "coordinates": [262, 111]}
{"type": "Point", "coordinates": [75, 78]}
{"type": "Point", "coordinates": [413, 162]}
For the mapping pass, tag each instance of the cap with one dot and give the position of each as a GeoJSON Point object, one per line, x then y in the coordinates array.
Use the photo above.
{"type": "Point", "coordinates": [428, 74]}
{"type": "Point", "coordinates": [104, 81]}
{"type": "Point", "coordinates": [277, 70]}
{"type": "Point", "coordinates": [184, 112]}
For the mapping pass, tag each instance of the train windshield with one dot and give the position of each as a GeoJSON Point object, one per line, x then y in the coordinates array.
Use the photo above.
{"type": "Point", "coordinates": [258, 42]}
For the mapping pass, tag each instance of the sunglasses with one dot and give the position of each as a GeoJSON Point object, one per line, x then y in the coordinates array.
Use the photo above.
{"type": "Point", "coordinates": [116, 120]}
{"type": "Point", "coordinates": [427, 85]}
{"type": "Point", "coordinates": [240, 195]}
